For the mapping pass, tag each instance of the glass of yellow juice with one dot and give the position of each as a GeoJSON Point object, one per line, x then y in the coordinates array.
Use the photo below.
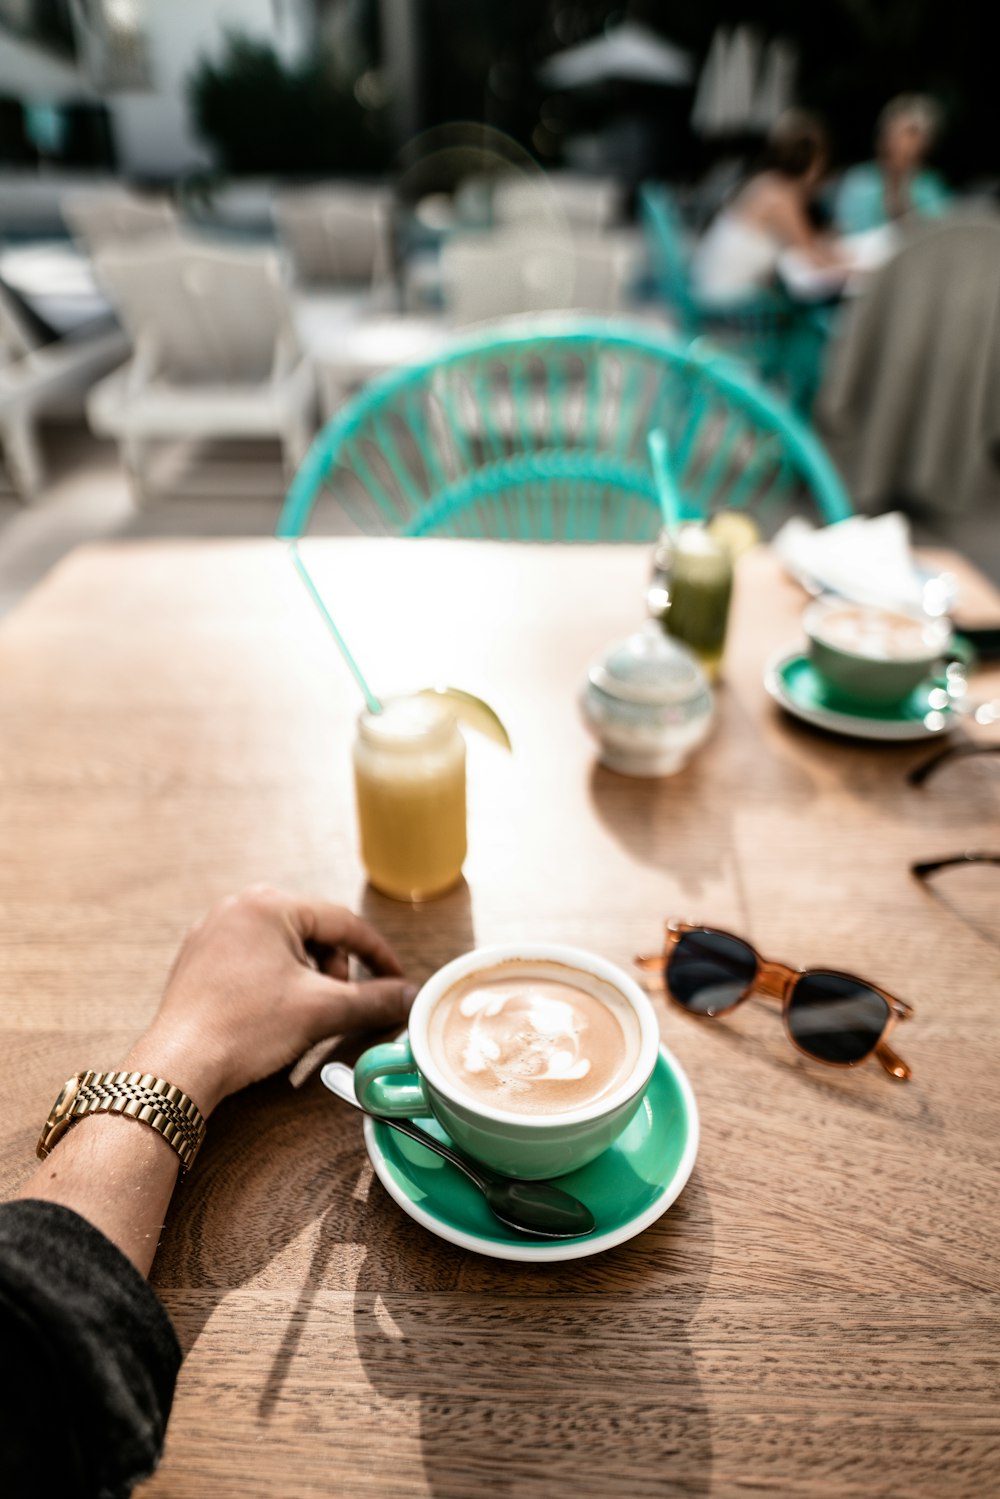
{"type": "Point", "coordinates": [409, 776]}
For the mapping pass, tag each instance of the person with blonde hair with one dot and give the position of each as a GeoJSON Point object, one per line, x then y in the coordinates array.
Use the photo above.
{"type": "Point", "coordinates": [897, 183]}
{"type": "Point", "coordinates": [738, 255]}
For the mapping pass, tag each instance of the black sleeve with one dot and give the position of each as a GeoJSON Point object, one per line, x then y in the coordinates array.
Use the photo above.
{"type": "Point", "coordinates": [88, 1360]}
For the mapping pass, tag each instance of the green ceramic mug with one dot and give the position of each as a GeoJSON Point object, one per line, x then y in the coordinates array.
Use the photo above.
{"type": "Point", "coordinates": [403, 1079]}
{"type": "Point", "coordinates": [872, 655]}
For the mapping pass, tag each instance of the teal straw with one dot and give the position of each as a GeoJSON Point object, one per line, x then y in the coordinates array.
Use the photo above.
{"type": "Point", "coordinates": [671, 505]}
{"type": "Point", "coordinates": [374, 706]}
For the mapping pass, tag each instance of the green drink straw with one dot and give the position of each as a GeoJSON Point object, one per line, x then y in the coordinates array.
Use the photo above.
{"type": "Point", "coordinates": [671, 505]}
{"type": "Point", "coordinates": [374, 706]}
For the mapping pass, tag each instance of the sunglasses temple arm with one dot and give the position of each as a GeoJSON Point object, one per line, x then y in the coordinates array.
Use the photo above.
{"type": "Point", "coordinates": [892, 1062]}
{"type": "Point", "coordinates": [652, 967]}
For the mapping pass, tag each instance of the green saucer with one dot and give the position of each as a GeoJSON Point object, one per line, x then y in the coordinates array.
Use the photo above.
{"type": "Point", "coordinates": [627, 1188]}
{"type": "Point", "coordinates": [793, 681]}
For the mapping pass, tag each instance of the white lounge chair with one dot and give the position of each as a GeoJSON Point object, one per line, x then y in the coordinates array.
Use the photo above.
{"type": "Point", "coordinates": [114, 216]}
{"type": "Point", "coordinates": [215, 354]}
{"type": "Point", "coordinates": [337, 234]}
{"type": "Point", "coordinates": [39, 380]}
{"type": "Point", "coordinates": [522, 270]}
{"type": "Point", "coordinates": [561, 198]}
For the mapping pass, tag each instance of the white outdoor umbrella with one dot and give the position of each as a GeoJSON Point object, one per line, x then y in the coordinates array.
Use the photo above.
{"type": "Point", "coordinates": [742, 66]}
{"type": "Point", "coordinates": [776, 89]}
{"type": "Point", "coordinates": [731, 97]}
{"type": "Point", "coordinates": [709, 115]}
{"type": "Point", "coordinates": [630, 52]}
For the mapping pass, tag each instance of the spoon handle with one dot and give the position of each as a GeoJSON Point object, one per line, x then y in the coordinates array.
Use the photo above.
{"type": "Point", "coordinates": [340, 1080]}
{"type": "Point", "coordinates": [423, 1138]}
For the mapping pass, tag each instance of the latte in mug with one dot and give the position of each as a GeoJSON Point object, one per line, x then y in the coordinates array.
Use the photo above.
{"type": "Point", "coordinates": [533, 1038]}
{"type": "Point", "coordinates": [879, 634]}
{"type": "Point", "coordinates": [876, 656]}
{"type": "Point", "coordinates": [533, 1057]}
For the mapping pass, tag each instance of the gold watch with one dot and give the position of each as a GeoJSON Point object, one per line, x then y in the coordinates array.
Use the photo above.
{"type": "Point", "coordinates": [136, 1095]}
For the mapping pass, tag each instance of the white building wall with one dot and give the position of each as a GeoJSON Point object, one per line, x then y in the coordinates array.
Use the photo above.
{"type": "Point", "coordinates": [153, 133]}
{"type": "Point", "coordinates": [28, 72]}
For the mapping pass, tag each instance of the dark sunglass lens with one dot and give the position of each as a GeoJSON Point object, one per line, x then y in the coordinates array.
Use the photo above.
{"type": "Point", "coordinates": [836, 1018]}
{"type": "Point", "coordinates": [708, 972]}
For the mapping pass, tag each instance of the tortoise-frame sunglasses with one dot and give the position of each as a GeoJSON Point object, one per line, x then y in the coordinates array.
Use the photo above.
{"type": "Point", "coordinates": [779, 982]}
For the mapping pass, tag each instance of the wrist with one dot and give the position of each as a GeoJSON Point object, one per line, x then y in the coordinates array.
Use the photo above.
{"type": "Point", "coordinates": [185, 1061]}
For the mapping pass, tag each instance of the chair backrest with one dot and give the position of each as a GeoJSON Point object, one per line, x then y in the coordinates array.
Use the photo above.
{"type": "Point", "coordinates": [559, 199]}
{"type": "Point", "coordinates": [910, 399]}
{"type": "Point", "coordinates": [664, 228]}
{"type": "Point", "coordinates": [524, 270]}
{"type": "Point", "coordinates": [337, 233]}
{"type": "Point", "coordinates": [115, 216]}
{"type": "Point", "coordinates": [541, 433]}
{"type": "Point", "coordinates": [201, 313]}
{"type": "Point", "coordinates": [16, 336]}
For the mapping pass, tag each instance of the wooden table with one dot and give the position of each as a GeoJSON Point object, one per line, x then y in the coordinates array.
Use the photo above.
{"type": "Point", "coordinates": [817, 1315]}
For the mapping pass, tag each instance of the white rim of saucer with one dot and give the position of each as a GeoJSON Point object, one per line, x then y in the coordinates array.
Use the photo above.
{"type": "Point", "coordinates": [855, 727]}
{"type": "Point", "coordinates": [561, 1249]}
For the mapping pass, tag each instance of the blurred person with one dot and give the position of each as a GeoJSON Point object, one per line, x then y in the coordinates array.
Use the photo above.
{"type": "Point", "coordinates": [772, 211]}
{"type": "Point", "coordinates": [896, 183]}
{"type": "Point", "coordinates": [89, 1354]}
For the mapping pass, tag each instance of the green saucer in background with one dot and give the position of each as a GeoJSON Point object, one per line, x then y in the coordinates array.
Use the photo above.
{"type": "Point", "coordinates": [627, 1188]}
{"type": "Point", "coordinates": [794, 683]}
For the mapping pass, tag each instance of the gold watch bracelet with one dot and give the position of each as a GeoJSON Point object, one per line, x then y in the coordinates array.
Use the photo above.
{"type": "Point", "coordinates": [135, 1095]}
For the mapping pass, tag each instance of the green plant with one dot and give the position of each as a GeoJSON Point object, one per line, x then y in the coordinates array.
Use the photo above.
{"type": "Point", "coordinates": [263, 115]}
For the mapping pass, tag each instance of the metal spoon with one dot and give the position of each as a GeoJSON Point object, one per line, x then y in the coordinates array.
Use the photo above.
{"type": "Point", "coordinates": [540, 1209]}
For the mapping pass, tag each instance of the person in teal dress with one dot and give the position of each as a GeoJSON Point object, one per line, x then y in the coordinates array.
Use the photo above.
{"type": "Point", "coordinates": [896, 183]}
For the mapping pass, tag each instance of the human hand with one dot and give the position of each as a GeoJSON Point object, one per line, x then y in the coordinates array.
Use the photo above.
{"type": "Point", "coordinates": [260, 979]}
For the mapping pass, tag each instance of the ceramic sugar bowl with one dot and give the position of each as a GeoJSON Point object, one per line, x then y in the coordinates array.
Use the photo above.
{"type": "Point", "coordinates": [648, 704]}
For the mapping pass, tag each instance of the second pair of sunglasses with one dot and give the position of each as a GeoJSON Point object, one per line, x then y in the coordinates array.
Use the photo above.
{"type": "Point", "coordinates": [830, 1016]}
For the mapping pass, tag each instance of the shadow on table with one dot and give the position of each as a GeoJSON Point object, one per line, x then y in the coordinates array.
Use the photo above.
{"type": "Point", "coordinates": [530, 1380]}
{"type": "Point", "coordinates": [664, 824]}
{"type": "Point", "coordinates": [576, 1378]}
{"type": "Point", "coordinates": [755, 1031]}
{"type": "Point", "coordinates": [424, 936]}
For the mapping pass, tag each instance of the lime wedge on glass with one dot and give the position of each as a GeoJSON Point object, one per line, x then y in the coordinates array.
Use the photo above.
{"type": "Point", "coordinates": [471, 712]}
{"type": "Point", "coordinates": [734, 530]}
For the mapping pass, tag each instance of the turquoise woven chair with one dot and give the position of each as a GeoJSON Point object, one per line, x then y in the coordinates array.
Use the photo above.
{"type": "Point", "coordinates": [536, 432]}
{"type": "Point", "coordinates": [782, 340]}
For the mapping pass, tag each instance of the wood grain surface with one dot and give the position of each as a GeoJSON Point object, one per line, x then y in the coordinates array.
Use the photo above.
{"type": "Point", "coordinates": [817, 1315]}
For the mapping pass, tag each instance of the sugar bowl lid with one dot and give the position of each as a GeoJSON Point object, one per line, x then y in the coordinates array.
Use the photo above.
{"type": "Point", "coordinates": [649, 667]}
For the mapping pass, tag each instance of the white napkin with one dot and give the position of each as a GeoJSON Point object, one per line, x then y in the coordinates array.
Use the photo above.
{"type": "Point", "coordinates": [867, 559]}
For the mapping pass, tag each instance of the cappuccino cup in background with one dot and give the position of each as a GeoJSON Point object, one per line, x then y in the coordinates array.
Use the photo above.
{"type": "Point", "coordinates": [533, 1057]}
{"type": "Point", "coordinates": [875, 655]}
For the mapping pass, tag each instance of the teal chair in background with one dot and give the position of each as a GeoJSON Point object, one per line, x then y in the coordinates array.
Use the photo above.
{"type": "Point", "coordinates": [540, 432]}
{"type": "Point", "coordinates": [780, 339]}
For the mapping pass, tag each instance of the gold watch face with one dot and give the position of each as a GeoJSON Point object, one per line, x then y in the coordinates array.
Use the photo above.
{"type": "Point", "coordinates": [58, 1121]}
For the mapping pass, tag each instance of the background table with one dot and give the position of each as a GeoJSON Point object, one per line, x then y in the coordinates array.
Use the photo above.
{"type": "Point", "coordinates": [349, 343]}
{"type": "Point", "coordinates": [817, 1315]}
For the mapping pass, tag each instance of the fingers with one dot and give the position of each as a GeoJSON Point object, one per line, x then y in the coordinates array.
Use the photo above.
{"type": "Point", "coordinates": [337, 966]}
{"type": "Point", "coordinates": [318, 921]}
{"type": "Point", "coordinates": [372, 1005]}
{"type": "Point", "coordinates": [332, 961]}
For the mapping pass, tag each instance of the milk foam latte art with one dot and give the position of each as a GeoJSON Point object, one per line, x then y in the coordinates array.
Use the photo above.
{"type": "Point", "coordinates": [534, 1043]}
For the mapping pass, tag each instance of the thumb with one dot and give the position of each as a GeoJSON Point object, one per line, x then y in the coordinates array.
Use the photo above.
{"type": "Point", "coordinates": [369, 1005]}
